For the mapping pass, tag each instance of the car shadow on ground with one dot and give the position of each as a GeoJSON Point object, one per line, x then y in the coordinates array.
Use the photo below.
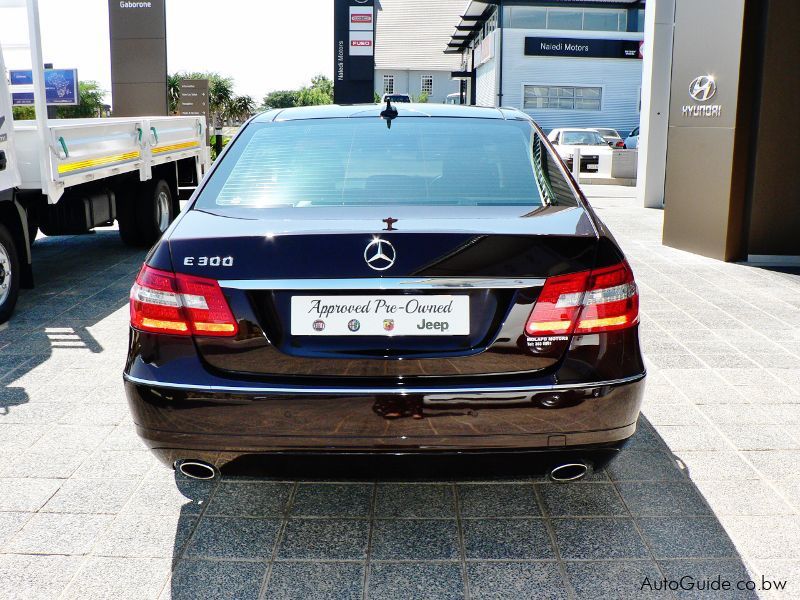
{"type": "Point", "coordinates": [80, 281]}
{"type": "Point", "coordinates": [489, 525]}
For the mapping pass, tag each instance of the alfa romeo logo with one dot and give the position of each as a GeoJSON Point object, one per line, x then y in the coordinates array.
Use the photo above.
{"type": "Point", "coordinates": [703, 88]}
{"type": "Point", "coordinates": [380, 255]}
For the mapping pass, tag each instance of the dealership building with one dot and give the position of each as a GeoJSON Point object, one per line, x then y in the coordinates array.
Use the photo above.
{"type": "Point", "coordinates": [409, 40]}
{"type": "Point", "coordinates": [566, 63]}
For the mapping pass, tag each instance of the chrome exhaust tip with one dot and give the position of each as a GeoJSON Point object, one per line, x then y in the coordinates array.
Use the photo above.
{"type": "Point", "coordinates": [196, 469]}
{"type": "Point", "coordinates": [569, 472]}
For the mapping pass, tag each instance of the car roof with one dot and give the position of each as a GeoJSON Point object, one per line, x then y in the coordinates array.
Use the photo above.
{"type": "Point", "coordinates": [566, 129]}
{"type": "Point", "coordinates": [339, 111]}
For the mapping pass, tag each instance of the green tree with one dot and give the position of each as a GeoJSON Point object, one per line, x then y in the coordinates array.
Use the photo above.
{"type": "Point", "coordinates": [91, 102]}
{"type": "Point", "coordinates": [241, 108]}
{"type": "Point", "coordinates": [220, 92]}
{"type": "Point", "coordinates": [319, 92]}
{"type": "Point", "coordinates": [174, 91]}
{"type": "Point", "coordinates": [281, 99]}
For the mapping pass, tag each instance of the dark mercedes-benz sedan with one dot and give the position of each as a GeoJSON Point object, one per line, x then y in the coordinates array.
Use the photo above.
{"type": "Point", "coordinates": [380, 279]}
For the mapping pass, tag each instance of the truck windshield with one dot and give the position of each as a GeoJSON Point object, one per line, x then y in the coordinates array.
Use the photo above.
{"type": "Point", "coordinates": [362, 162]}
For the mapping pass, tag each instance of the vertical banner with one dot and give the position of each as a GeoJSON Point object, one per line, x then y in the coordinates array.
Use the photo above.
{"type": "Point", "coordinates": [354, 51]}
{"type": "Point", "coordinates": [138, 57]}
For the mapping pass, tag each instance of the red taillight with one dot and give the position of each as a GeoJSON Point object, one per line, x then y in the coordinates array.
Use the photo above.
{"type": "Point", "coordinates": [620, 144]}
{"type": "Point", "coordinates": [587, 302]}
{"type": "Point", "coordinates": [163, 302]}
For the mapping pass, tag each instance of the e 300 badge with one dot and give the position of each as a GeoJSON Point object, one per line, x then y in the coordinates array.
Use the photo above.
{"type": "Point", "coordinates": [208, 261]}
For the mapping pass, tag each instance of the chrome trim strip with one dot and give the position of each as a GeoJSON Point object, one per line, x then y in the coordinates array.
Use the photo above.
{"type": "Point", "coordinates": [383, 283]}
{"type": "Point", "coordinates": [369, 391]}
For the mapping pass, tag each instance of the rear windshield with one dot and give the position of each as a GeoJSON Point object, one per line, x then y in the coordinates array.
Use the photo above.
{"type": "Point", "coordinates": [582, 138]}
{"type": "Point", "coordinates": [362, 162]}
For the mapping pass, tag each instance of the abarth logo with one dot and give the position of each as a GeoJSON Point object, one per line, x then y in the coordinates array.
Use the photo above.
{"type": "Point", "coordinates": [380, 255]}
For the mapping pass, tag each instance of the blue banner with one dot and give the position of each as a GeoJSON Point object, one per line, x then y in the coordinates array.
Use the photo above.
{"type": "Point", "coordinates": [61, 87]}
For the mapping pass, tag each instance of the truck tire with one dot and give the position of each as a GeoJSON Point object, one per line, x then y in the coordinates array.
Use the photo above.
{"type": "Point", "coordinates": [154, 211]}
{"type": "Point", "coordinates": [126, 218]}
{"type": "Point", "coordinates": [9, 274]}
{"type": "Point", "coordinates": [144, 212]}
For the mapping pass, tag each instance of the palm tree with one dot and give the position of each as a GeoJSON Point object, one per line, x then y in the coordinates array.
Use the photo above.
{"type": "Point", "coordinates": [241, 108]}
{"type": "Point", "coordinates": [174, 91]}
{"type": "Point", "coordinates": [220, 96]}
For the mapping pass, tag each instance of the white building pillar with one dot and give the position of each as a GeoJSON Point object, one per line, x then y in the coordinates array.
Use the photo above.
{"type": "Point", "coordinates": [656, 83]}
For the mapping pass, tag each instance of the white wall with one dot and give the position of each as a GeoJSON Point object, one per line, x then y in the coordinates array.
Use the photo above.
{"type": "Point", "coordinates": [621, 80]}
{"type": "Point", "coordinates": [410, 82]}
{"type": "Point", "coordinates": [486, 84]}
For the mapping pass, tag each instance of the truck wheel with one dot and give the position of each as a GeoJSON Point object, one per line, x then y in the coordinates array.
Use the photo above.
{"type": "Point", "coordinates": [126, 217]}
{"type": "Point", "coordinates": [154, 212]}
{"type": "Point", "coordinates": [9, 275]}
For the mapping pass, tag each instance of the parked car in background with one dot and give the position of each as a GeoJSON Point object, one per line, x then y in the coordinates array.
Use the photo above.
{"type": "Point", "coordinates": [397, 98]}
{"type": "Point", "coordinates": [632, 143]}
{"type": "Point", "coordinates": [405, 305]}
{"type": "Point", "coordinates": [590, 142]}
{"type": "Point", "coordinates": [611, 136]}
{"type": "Point", "coordinates": [453, 99]}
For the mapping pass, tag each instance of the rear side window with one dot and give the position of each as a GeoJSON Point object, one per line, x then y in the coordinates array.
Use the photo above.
{"type": "Point", "coordinates": [555, 189]}
{"type": "Point", "coordinates": [362, 162]}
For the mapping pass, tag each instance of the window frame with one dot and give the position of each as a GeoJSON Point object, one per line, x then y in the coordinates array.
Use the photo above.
{"type": "Point", "coordinates": [422, 85]}
{"type": "Point", "coordinates": [388, 78]}
{"type": "Point", "coordinates": [602, 87]}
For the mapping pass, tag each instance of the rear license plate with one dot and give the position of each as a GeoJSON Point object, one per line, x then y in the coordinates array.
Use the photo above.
{"type": "Point", "coordinates": [380, 315]}
{"type": "Point", "coordinates": [591, 167]}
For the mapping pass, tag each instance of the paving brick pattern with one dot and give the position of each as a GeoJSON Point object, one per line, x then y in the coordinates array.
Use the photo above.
{"type": "Point", "coordinates": [709, 486]}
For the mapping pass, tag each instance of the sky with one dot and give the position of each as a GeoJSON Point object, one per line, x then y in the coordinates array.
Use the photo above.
{"type": "Point", "coordinates": [265, 45]}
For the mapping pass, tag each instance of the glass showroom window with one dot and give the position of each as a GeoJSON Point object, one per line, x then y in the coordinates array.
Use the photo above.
{"type": "Point", "coordinates": [605, 20]}
{"type": "Point", "coordinates": [388, 84]}
{"type": "Point", "coordinates": [574, 19]}
{"type": "Point", "coordinates": [427, 84]}
{"type": "Point", "coordinates": [525, 17]}
{"type": "Point", "coordinates": [562, 97]}
{"type": "Point", "coordinates": [565, 18]}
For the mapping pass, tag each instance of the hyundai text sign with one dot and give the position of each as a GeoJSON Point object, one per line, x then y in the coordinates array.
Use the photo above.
{"type": "Point", "coordinates": [61, 87]}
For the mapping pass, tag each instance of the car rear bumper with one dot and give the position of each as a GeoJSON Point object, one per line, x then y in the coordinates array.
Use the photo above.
{"type": "Point", "coordinates": [222, 424]}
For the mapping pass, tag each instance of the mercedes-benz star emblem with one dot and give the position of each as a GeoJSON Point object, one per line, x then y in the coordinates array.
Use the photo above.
{"type": "Point", "coordinates": [380, 255]}
{"type": "Point", "coordinates": [703, 88]}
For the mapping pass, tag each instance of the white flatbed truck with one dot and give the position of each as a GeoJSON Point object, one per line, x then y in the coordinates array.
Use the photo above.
{"type": "Point", "coordinates": [68, 176]}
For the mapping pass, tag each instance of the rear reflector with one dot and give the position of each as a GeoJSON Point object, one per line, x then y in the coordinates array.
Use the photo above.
{"type": "Point", "coordinates": [587, 302]}
{"type": "Point", "coordinates": [163, 302]}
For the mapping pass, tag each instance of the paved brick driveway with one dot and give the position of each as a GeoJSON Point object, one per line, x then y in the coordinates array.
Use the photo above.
{"type": "Point", "coordinates": [711, 488]}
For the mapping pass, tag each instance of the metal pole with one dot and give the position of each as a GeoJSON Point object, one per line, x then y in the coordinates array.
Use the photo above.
{"type": "Point", "coordinates": [218, 140]}
{"type": "Point", "coordinates": [52, 111]}
{"type": "Point", "coordinates": [576, 165]}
